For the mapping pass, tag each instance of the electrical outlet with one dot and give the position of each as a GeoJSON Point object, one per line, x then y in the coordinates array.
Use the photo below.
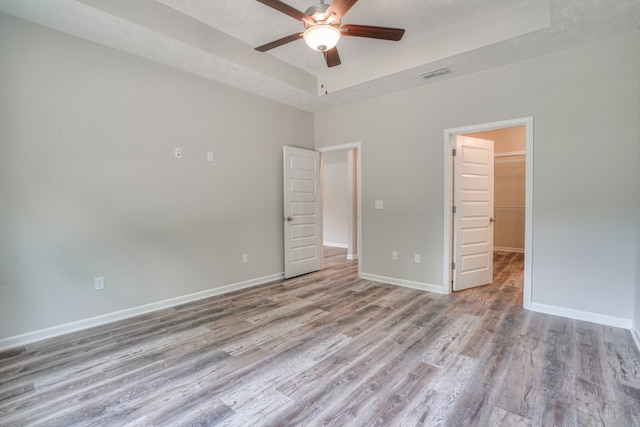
{"type": "Point", "coordinates": [98, 283]}
{"type": "Point", "coordinates": [394, 255]}
{"type": "Point", "coordinates": [210, 157]}
{"type": "Point", "coordinates": [178, 153]}
{"type": "Point", "coordinates": [416, 258]}
{"type": "Point", "coordinates": [245, 258]}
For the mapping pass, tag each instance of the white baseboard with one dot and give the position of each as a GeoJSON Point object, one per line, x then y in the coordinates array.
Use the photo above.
{"type": "Point", "coordinates": [603, 319]}
{"type": "Point", "coordinates": [336, 245]}
{"type": "Point", "coordinates": [405, 283]}
{"type": "Point", "coordinates": [352, 256]}
{"type": "Point", "coordinates": [506, 249]}
{"type": "Point", "coordinates": [91, 322]}
{"type": "Point", "coordinates": [66, 328]}
{"type": "Point", "coordinates": [635, 333]}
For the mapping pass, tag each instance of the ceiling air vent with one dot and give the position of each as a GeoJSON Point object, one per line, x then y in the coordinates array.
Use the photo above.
{"type": "Point", "coordinates": [435, 73]}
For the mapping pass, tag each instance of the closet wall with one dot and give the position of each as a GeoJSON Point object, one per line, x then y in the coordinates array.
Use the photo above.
{"type": "Point", "coordinates": [509, 187]}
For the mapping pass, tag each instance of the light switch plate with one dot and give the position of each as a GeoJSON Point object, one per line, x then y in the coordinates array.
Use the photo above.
{"type": "Point", "coordinates": [379, 204]}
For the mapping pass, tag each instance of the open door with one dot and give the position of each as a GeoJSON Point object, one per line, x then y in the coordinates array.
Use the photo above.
{"type": "Point", "coordinates": [473, 212]}
{"type": "Point", "coordinates": [302, 214]}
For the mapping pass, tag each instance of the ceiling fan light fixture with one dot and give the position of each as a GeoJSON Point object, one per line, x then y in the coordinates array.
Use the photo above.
{"type": "Point", "coordinates": [322, 37]}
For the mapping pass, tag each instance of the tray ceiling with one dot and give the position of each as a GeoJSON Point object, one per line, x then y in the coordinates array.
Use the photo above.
{"type": "Point", "coordinates": [215, 39]}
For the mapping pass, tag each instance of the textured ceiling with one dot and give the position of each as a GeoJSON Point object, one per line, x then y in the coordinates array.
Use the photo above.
{"type": "Point", "coordinates": [215, 39]}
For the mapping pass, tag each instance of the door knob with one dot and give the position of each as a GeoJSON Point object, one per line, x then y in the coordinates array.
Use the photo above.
{"type": "Point", "coordinates": [492, 219]}
{"type": "Point", "coordinates": [289, 218]}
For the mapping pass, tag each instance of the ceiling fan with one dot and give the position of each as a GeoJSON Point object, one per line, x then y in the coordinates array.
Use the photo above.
{"type": "Point", "coordinates": [323, 28]}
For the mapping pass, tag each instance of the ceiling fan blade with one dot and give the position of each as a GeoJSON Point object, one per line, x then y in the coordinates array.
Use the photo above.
{"type": "Point", "coordinates": [340, 7]}
{"type": "Point", "coordinates": [371, 32]}
{"type": "Point", "coordinates": [279, 42]}
{"type": "Point", "coordinates": [331, 57]}
{"type": "Point", "coordinates": [288, 10]}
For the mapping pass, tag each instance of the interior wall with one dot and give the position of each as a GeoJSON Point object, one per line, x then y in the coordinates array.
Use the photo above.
{"type": "Point", "coordinates": [509, 186]}
{"type": "Point", "coordinates": [89, 185]}
{"type": "Point", "coordinates": [336, 200]}
{"type": "Point", "coordinates": [584, 202]}
{"type": "Point", "coordinates": [636, 316]}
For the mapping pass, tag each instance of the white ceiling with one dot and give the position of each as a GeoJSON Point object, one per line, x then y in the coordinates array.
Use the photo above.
{"type": "Point", "coordinates": [215, 39]}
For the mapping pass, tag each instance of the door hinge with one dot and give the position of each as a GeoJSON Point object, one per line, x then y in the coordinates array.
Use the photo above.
{"type": "Point", "coordinates": [453, 152]}
{"type": "Point", "coordinates": [453, 265]}
{"type": "Point", "coordinates": [453, 209]}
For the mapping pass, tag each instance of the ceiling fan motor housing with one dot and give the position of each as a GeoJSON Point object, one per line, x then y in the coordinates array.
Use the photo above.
{"type": "Point", "coordinates": [324, 34]}
{"type": "Point", "coordinates": [317, 12]}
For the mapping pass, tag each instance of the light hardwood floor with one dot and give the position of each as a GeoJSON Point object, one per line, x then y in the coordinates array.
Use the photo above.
{"type": "Point", "coordinates": [331, 349]}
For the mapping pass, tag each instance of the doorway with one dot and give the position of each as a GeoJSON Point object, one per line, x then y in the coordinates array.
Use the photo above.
{"type": "Point", "coordinates": [509, 186]}
{"type": "Point", "coordinates": [513, 211]}
{"type": "Point", "coordinates": [342, 160]}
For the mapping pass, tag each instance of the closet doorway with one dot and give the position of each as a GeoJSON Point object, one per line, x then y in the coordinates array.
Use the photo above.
{"type": "Point", "coordinates": [509, 186]}
{"type": "Point", "coordinates": [513, 178]}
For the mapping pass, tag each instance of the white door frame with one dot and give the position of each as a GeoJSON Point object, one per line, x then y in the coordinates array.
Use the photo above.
{"type": "Point", "coordinates": [448, 202]}
{"type": "Point", "coordinates": [358, 146]}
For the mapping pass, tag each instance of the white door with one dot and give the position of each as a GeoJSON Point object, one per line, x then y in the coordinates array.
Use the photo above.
{"type": "Point", "coordinates": [302, 212]}
{"type": "Point", "coordinates": [473, 217]}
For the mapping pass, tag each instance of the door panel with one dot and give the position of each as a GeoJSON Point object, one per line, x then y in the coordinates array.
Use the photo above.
{"type": "Point", "coordinates": [474, 236]}
{"type": "Point", "coordinates": [302, 219]}
{"type": "Point", "coordinates": [473, 220]}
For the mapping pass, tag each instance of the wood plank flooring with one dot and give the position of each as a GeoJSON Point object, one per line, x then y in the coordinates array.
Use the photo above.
{"type": "Point", "coordinates": [331, 349]}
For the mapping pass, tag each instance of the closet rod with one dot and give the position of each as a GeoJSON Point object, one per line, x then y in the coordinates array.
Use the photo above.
{"type": "Point", "coordinates": [510, 153]}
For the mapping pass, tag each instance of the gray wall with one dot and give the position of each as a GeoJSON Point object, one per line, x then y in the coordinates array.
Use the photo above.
{"type": "Point", "coordinates": [89, 185]}
{"type": "Point", "coordinates": [636, 315]}
{"type": "Point", "coordinates": [585, 105]}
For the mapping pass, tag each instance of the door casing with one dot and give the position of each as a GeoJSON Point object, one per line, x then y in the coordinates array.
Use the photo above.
{"type": "Point", "coordinates": [527, 122]}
